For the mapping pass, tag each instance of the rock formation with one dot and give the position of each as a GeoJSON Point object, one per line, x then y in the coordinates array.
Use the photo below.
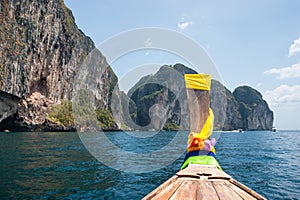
{"type": "Point", "coordinates": [8, 105]}
{"type": "Point", "coordinates": [159, 102]}
{"type": "Point", "coordinates": [41, 49]}
{"type": "Point", "coordinates": [255, 112]}
{"type": "Point", "coordinates": [225, 107]}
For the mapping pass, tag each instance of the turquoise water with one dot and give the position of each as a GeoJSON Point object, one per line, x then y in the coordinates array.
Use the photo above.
{"type": "Point", "coordinates": [58, 166]}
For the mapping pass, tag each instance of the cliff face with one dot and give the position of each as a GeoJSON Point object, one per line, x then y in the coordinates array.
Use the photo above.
{"type": "Point", "coordinates": [159, 101]}
{"type": "Point", "coordinates": [225, 107]}
{"type": "Point", "coordinates": [164, 105]}
{"type": "Point", "coordinates": [255, 112]}
{"type": "Point", "coordinates": [41, 49]}
{"type": "Point", "coordinates": [8, 105]}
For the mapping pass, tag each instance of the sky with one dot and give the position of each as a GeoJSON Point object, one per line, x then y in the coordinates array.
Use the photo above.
{"type": "Point", "coordinates": [251, 42]}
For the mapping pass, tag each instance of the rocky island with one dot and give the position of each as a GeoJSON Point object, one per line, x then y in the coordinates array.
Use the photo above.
{"type": "Point", "coordinates": [41, 50]}
{"type": "Point", "coordinates": [163, 96]}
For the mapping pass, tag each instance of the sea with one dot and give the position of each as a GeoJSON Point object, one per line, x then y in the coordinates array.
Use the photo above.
{"type": "Point", "coordinates": [58, 165]}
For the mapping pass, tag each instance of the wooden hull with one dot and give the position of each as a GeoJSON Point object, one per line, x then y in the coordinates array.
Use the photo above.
{"type": "Point", "coordinates": [202, 182]}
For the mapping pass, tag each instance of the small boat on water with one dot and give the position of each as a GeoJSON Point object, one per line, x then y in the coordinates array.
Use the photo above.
{"type": "Point", "coordinates": [238, 131]}
{"type": "Point", "coordinates": [201, 176]}
{"type": "Point", "coordinates": [274, 129]}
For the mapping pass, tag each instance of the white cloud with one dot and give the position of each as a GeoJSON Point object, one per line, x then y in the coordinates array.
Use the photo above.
{"type": "Point", "coordinates": [295, 47]}
{"type": "Point", "coordinates": [184, 25]}
{"type": "Point", "coordinates": [284, 95]}
{"type": "Point", "coordinates": [286, 72]}
{"type": "Point", "coordinates": [184, 22]}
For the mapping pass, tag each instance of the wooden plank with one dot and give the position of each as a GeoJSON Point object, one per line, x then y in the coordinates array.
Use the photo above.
{"type": "Point", "coordinates": [168, 183]}
{"type": "Point", "coordinates": [187, 190]}
{"type": "Point", "coordinates": [201, 187]}
{"type": "Point", "coordinates": [243, 194]}
{"type": "Point", "coordinates": [246, 189]}
{"type": "Point", "coordinates": [224, 191]}
{"type": "Point", "coordinates": [206, 191]}
{"type": "Point", "coordinates": [195, 170]}
{"type": "Point", "coordinates": [169, 191]}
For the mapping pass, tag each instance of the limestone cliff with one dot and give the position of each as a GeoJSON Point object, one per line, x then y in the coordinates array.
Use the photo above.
{"type": "Point", "coordinates": [8, 105]}
{"type": "Point", "coordinates": [159, 102]}
{"type": "Point", "coordinates": [225, 107]}
{"type": "Point", "coordinates": [255, 112]}
{"type": "Point", "coordinates": [41, 49]}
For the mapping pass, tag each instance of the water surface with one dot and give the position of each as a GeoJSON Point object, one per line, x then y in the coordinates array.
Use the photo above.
{"type": "Point", "coordinates": [58, 166]}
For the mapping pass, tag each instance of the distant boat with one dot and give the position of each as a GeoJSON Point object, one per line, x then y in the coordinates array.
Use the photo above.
{"type": "Point", "coordinates": [238, 130]}
{"type": "Point", "coordinates": [273, 129]}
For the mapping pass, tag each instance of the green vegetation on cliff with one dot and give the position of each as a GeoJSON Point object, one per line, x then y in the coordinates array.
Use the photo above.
{"type": "Point", "coordinates": [171, 126]}
{"type": "Point", "coordinates": [105, 118]}
{"type": "Point", "coordinates": [61, 113]}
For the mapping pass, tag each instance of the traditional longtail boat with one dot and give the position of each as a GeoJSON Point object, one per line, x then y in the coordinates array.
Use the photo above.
{"type": "Point", "coordinates": [201, 176]}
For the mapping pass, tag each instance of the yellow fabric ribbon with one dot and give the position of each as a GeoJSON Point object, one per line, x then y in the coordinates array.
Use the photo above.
{"type": "Point", "coordinates": [196, 140]}
{"type": "Point", "coordinates": [197, 81]}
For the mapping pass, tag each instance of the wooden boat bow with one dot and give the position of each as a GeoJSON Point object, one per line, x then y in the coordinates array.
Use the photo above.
{"type": "Point", "coordinates": [202, 182]}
